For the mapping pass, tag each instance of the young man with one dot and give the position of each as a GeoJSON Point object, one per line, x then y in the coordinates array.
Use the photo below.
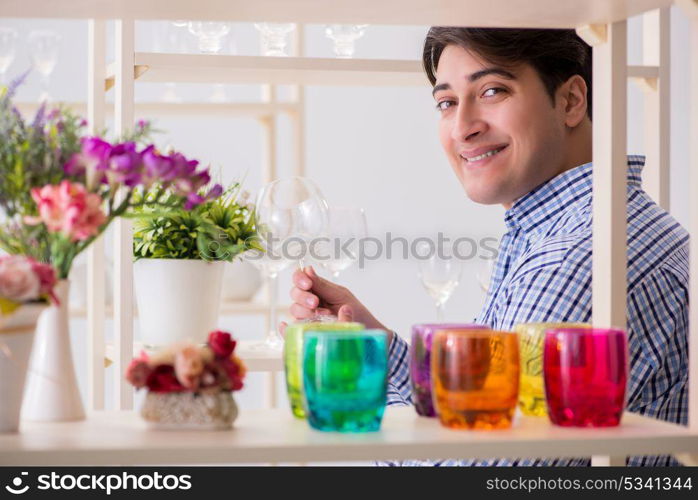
{"type": "Point", "coordinates": [515, 124]}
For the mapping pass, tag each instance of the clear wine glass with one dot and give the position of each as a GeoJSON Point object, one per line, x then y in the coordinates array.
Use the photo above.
{"type": "Point", "coordinates": [44, 47]}
{"type": "Point", "coordinates": [344, 37]}
{"type": "Point", "coordinates": [440, 274]}
{"type": "Point", "coordinates": [274, 38]}
{"type": "Point", "coordinates": [8, 48]}
{"type": "Point", "coordinates": [270, 265]}
{"type": "Point", "coordinates": [210, 35]}
{"type": "Point", "coordinates": [291, 212]}
{"type": "Point", "coordinates": [346, 227]}
{"type": "Point", "coordinates": [483, 272]}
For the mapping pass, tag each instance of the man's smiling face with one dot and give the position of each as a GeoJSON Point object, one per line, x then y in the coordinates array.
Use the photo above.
{"type": "Point", "coordinates": [498, 126]}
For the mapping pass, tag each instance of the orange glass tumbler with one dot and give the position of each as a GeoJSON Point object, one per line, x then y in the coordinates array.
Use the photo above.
{"type": "Point", "coordinates": [475, 377]}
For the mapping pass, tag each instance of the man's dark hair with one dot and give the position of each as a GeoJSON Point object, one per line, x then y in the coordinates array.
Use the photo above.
{"type": "Point", "coordinates": [555, 54]}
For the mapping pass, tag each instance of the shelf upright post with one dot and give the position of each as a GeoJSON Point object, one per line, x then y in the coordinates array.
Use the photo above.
{"type": "Point", "coordinates": [609, 250]}
{"type": "Point", "coordinates": [123, 235]}
{"type": "Point", "coordinates": [96, 283]}
{"type": "Point", "coordinates": [656, 52]}
{"type": "Point", "coordinates": [298, 115]}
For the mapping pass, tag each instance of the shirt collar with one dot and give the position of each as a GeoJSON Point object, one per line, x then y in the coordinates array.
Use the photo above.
{"type": "Point", "coordinates": [535, 211]}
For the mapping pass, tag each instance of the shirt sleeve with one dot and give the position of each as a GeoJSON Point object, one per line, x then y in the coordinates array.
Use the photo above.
{"type": "Point", "coordinates": [399, 389]}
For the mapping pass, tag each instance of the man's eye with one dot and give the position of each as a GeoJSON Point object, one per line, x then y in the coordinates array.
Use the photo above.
{"type": "Point", "coordinates": [492, 91]}
{"type": "Point", "coordinates": [443, 105]}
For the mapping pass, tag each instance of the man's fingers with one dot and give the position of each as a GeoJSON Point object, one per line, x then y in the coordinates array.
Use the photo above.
{"type": "Point", "coordinates": [301, 280]}
{"type": "Point", "coordinates": [300, 312]}
{"type": "Point", "coordinates": [305, 299]}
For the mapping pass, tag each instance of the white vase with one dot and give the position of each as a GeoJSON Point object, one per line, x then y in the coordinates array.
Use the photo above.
{"type": "Point", "coordinates": [52, 393]}
{"type": "Point", "coordinates": [241, 280]}
{"type": "Point", "coordinates": [16, 337]}
{"type": "Point", "coordinates": [177, 299]}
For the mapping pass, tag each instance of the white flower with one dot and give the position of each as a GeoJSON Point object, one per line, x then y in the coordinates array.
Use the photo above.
{"type": "Point", "coordinates": [18, 281]}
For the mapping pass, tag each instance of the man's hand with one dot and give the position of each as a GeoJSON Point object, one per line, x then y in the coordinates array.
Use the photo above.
{"type": "Point", "coordinates": [312, 295]}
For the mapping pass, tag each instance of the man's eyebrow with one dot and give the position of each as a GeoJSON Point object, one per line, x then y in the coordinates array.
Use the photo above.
{"type": "Point", "coordinates": [476, 76]}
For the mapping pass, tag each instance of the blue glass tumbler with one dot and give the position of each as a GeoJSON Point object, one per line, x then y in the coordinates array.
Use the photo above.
{"type": "Point", "coordinates": [345, 379]}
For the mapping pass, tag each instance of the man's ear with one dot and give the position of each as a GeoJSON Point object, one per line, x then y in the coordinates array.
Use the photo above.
{"type": "Point", "coordinates": [573, 95]}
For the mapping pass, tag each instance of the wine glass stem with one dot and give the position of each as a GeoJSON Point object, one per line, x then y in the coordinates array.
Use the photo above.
{"type": "Point", "coordinates": [440, 311]}
{"type": "Point", "coordinates": [271, 334]}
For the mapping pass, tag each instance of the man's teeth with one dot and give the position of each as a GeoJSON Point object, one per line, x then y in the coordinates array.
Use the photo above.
{"type": "Point", "coordinates": [485, 155]}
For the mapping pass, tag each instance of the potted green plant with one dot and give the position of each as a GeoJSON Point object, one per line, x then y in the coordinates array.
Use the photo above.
{"type": "Point", "coordinates": [180, 257]}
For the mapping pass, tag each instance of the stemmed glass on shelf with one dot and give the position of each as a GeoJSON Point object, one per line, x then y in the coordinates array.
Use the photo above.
{"type": "Point", "coordinates": [44, 46]}
{"type": "Point", "coordinates": [8, 46]}
{"type": "Point", "coordinates": [344, 37]}
{"type": "Point", "coordinates": [440, 273]}
{"type": "Point", "coordinates": [274, 38]}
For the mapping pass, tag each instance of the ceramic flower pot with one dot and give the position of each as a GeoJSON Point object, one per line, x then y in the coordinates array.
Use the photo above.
{"type": "Point", "coordinates": [189, 410]}
{"type": "Point", "coordinates": [177, 299]}
{"type": "Point", "coordinates": [241, 280]}
{"type": "Point", "coordinates": [52, 393]}
{"type": "Point", "coordinates": [16, 339]}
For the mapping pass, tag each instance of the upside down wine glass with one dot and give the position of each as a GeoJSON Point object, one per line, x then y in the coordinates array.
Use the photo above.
{"type": "Point", "coordinates": [44, 45]}
{"type": "Point", "coordinates": [440, 274]}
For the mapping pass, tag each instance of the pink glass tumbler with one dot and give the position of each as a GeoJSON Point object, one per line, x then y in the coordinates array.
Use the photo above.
{"type": "Point", "coordinates": [585, 372]}
{"type": "Point", "coordinates": [420, 363]}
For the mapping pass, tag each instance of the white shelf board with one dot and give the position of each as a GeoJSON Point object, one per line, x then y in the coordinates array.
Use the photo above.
{"type": "Point", "coordinates": [260, 436]}
{"type": "Point", "coordinates": [151, 109]}
{"type": "Point", "coordinates": [227, 307]}
{"type": "Point", "coordinates": [503, 13]}
{"type": "Point", "coordinates": [256, 360]}
{"type": "Point", "coordinates": [206, 68]}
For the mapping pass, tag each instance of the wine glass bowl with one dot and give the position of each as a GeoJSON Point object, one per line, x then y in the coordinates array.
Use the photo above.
{"type": "Point", "coordinates": [346, 227]}
{"type": "Point", "coordinates": [8, 47]}
{"type": "Point", "coordinates": [440, 274]}
{"type": "Point", "coordinates": [44, 46]}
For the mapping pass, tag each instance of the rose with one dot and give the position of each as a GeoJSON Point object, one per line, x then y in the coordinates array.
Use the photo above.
{"type": "Point", "coordinates": [221, 343]}
{"type": "Point", "coordinates": [138, 372]}
{"type": "Point", "coordinates": [188, 365]}
{"type": "Point", "coordinates": [18, 281]}
{"type": "Point", "coordinates": [235, 372]}
{"type": "Point", "coordinates": [162, 379]}
{"type": "Point", "coordinates": [47, 279]}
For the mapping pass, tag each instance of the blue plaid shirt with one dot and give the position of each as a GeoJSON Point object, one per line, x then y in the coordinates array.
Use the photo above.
{"type": "Point", "coordinates": [543, 273]}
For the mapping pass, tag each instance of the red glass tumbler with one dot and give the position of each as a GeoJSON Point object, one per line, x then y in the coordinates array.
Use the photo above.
{"type": "Point", "coordinates": [585, 372]}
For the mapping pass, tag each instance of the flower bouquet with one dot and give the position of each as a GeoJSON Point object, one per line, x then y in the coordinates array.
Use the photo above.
{"type": "Point", "coordinates": [60, 190]}
{"type": "Point", "coordinates": [26, 287]}
{"type": "Point", "coordinates": [190, 386]}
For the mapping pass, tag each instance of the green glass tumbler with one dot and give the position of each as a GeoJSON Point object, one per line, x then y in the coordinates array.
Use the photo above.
{"type": "Point", "coordinates": [293, 357]}
{"type": "Point", "coordinates": [345, 379]}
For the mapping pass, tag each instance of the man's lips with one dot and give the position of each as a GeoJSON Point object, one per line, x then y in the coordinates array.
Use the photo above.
{"type": "Point", "coordinates": [479, 154]}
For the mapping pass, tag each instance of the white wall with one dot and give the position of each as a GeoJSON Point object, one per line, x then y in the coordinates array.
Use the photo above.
{"type": "Point", "coordinates": [372, 147]}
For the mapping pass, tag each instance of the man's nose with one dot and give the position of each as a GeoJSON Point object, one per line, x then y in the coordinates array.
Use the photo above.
{"type": "Point", "coordinates": [467, 124]}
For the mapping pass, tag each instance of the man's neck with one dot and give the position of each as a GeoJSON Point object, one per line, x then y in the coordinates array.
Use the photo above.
{"type": "Point", "coordinates": [578, 153]}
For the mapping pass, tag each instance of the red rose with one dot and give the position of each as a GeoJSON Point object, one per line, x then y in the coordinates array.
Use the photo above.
{"type": "Point", "coordinates": [163, 379]}
{"type": "Point", "coordinates": [234, 373]}
{"type": "Point", "coordinates": [138, 372]}
{"type": "Point", "coordinates": [221, 343]}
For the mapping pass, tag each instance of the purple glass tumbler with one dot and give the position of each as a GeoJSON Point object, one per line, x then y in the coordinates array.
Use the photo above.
{"type": "Point", "coordinates": [585, 372]}
{"type": "Point", "coordinates": [420, 363]}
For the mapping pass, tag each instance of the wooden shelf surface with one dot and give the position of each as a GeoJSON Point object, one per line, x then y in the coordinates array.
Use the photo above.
{"type": "Point", "coordinates": [260, 436]}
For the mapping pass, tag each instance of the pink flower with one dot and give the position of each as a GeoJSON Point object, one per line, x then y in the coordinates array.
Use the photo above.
{"type": "Point", "coordinates": [221, 343]}
{"type": "Point", "coordinates": [47, 279]}
{"type": "Point", "coordinates": [138, 372]}
{"type": "Point", "coordinates": [188, 366]}
{"type": "Point", "coordinates": [69, 209]}
{"type": "Point", "coordinates": [18, 281]}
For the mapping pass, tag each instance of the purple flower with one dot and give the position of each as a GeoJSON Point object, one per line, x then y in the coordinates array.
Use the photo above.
{"type": "Point", "coordinates": [93, 155]}
{"type": "Point", "coordinates": [194, 199]}
{"type": "Point", "coordinates": [157, 168]}
{"type": "Point", "coordinates": [124, 165]}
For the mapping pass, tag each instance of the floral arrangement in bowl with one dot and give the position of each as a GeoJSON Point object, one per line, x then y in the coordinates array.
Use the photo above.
{"type": "Point", "coordinates": [190, 386]}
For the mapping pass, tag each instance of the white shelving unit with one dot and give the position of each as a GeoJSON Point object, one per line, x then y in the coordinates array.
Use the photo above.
{"type": "Point", "coordinates": [120, 437]}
